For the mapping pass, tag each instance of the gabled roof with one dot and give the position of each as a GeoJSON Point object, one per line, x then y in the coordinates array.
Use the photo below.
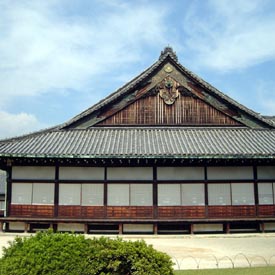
{"type": "Point", "coordinates": [83, 137]}
{"type": "Point", "coordinates": [207, 93]}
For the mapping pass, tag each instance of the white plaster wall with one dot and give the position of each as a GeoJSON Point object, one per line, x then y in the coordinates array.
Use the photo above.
{"type": "Point", "coordinates": [33, 172]}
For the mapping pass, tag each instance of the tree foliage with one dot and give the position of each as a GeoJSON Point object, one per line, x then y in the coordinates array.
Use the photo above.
{"type": "Point", "coordinates": [62, 253]}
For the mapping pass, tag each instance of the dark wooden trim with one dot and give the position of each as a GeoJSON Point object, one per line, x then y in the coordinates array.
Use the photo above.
{"type": "Point", "coordinates": [56, 191]}
{"type": "Point", "coordinates": [9, 190]}
{"type": "Point", "coordinates": [33, 180]}
{"type": "Point", "coordinates": [206, 190]}
{"type": "Point", "coordinates": [155, 192]}
{"type": "Point", "coordinates": [256, 193]}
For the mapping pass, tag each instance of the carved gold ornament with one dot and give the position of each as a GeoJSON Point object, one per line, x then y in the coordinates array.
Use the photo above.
{"type": "Point", "coordinates": [168, 90]}
{"type": "Point", "coordinates": [168, 69]}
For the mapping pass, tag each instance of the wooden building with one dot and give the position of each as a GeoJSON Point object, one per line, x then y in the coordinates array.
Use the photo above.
{"type": "Point", "coordinates": [165, 153]}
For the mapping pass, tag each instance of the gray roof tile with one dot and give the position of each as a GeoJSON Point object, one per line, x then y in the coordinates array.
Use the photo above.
{"type": "Point", "coordinates": [141, 142]}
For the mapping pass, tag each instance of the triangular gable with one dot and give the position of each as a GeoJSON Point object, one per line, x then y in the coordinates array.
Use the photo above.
{"type": "Point", "coordinates": [169, 103]}
{"type": "Point", "coordinates": [149, 100]}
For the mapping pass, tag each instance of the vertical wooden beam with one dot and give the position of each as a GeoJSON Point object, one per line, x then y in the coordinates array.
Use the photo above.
{"type": "Point", "coordinates": [120, 229]}
{"type": "Point", "coordinates": [155, 230]}
{"type": "Point", "coordinates": [256, 193]}
{"type": "Point", "coordinates": [191, 228]}
{"type": "Point", "coordinates": [227, 229]}
{"type": "Point", "coordinates": [262, 227]}
{"type": "Point", "coordinates": [105, 192]}
{"type": "Point", "coordinates": [206, 191]}
{"type": "Point", "coordinates": [155, 193]}
{"type": "Point", "coordinates": [1, 226]}
{"type": "Point", "coordinates": [86, 228]}
{"type": "Point", "coordinates": [9, 190]}
{"type": "Point", "coordinates": [56, 190]}
{"type": "Point", "coordinates": [26, 227]}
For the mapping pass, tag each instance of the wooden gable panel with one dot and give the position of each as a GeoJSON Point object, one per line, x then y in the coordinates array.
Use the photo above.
{"type": "Point", "coordinates": [152, 110]}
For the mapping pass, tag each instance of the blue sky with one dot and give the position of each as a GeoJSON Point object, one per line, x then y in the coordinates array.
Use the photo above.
{"type": "Point", "coordinates": [59, 57]}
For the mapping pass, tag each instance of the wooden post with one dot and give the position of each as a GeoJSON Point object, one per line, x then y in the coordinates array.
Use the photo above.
{"type": "Point", "coordinates": [191, 228]}
{"type": "Point", "coordinates": [26, 227]}
{"type": "Point", "coordinates": [120, 229]}
{"type": "Point", "coordinates": [155, 229]}
{"type": "Point", "coordinates": [86, 228]}
{"type": "Point", "coordinates": [227, 228]}
{"type": "Point", "coordinates": [263, 227]}
{"type": "Point", "coordinates": [1, 226]}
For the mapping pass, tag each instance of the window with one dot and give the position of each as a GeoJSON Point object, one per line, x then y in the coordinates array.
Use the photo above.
{"type": "Point", "coordinates": [92, 194]}
{"type": "Point", "coordinates": [266, 193]}
{"type": "Point", "coordinates": [130, 194]}
{"type": "Point", "coordinates": [192, 194]}
{"type": "Point", "coordinates": [81, 194]}
{"type": "Point", "coordinates": [242, 194]}
{"type": "Point", "coordinates": [43, 193]}
{"type": "Point", "coordinates": [32, 193]}
{"type": "Point", "coordinates": [221, 194]}
{"type": "Point", "coordinates": [180, 194]}
{"type": "Point", "coordinates": [169, 194]}
{"type": "Point", "coordinates": [69, 194]}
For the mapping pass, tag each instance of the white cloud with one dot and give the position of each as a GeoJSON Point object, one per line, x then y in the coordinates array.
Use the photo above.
{"type": "Point", "coordinates": [40, 48]}
{"type": "Point", "coordinates": [13, 124]}
{"type": "Point", "coordinates": [235, 34]}
{"type": "Point", "coordinates": [54, 45]}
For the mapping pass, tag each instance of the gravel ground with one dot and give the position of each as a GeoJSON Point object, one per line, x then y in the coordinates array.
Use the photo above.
{"type": "Point", "coordinates": [204, 251]}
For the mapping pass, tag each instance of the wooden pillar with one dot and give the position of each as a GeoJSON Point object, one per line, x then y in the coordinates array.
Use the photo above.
{"type": "Point", "coordinates": [227, 229]}
{"type": "Point", "coordinates": [155, 228]}
{"type": "Point", "coordinates": [256, 192]}
{"type": "Point", "coordinates": [206, 191]}
{"type": "Point", "coordinates": [155, 193]}
{"type": "Point", "coordinates": [262, 227]}
{"type": "Point", "coordinates": [26, 227]}
{"type": "Point", "coordinates": [1, 226]}
{"type": "Point", "coordinates": [191, 228]}
{"type": "Point", "coordinates": [86, 228]}
{"type": "Point", "coordinates": [120, 229]}
{"type": "Point", "coordinates": [56, 191]}
{"type": "Point", "coordinates": [9, 188]}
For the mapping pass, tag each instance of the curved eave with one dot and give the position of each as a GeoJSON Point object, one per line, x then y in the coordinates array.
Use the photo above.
{"type": "Point", "coordinates": [184, 156]}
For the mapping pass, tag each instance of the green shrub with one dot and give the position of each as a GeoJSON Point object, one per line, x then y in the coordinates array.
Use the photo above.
{"type": "Point", "coordinates": [60, 254]}
{"type": "Point", "coordinates": [44, 254]}
{"type": "Point", "coordinates": [118, 257]}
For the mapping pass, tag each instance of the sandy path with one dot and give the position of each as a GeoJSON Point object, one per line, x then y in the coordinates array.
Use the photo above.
{"type": "Point", "coordinates": [205, 251]}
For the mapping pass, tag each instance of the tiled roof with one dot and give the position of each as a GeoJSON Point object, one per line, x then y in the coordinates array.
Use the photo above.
{"type": "Point", "coordinates": [145, 142]}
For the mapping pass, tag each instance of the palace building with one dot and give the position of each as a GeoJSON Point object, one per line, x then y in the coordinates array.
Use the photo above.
{"type": "Point", "coordinates": [165, 153]}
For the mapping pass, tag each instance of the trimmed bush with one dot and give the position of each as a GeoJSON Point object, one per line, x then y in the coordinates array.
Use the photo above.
{"type": "Point", "coordinates": [59, 254]}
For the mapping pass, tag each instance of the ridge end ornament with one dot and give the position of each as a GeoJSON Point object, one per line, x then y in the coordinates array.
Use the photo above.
{"type": "Point", "coordinates": [168, 90]}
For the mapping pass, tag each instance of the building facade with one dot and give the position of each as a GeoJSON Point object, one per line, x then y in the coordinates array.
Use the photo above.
{"type": "Point", "coordinates": [165, 153]}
